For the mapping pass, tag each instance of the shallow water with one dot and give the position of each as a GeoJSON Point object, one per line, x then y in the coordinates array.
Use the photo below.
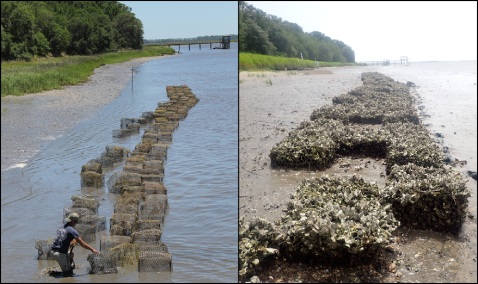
{"type": "Point", "coordinates": [200, 174]}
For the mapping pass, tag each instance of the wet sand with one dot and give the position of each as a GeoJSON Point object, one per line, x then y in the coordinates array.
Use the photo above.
{"type": "Point", "coordinates": [34, 119]}
{"type": "Point", "coordinates": [267, 113]}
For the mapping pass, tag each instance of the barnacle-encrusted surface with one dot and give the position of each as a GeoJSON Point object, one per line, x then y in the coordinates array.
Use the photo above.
{"type": "Point", "coordinates": [379, 100]}
{"type": "Point", "coordinates": [410, 143]}
{"type": "Point", "coordinates": [315, 143]}
{"type": "Point", "coordinates": [422, 197]}
{"type": "Point", "coordinates": [310, 144]}
{"type": "Point", "coordinates": [400, 137]}
{"type": "Point", "coordinates": [336, 216]}
{"type": "Point", "coordinates": [256, 239]}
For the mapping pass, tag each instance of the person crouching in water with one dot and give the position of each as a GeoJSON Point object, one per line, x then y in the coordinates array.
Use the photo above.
{"type": "Point", "coordinates": [64, 236]}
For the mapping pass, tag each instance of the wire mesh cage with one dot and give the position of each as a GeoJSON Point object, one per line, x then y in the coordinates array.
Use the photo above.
{"type": "Point", "coordinates": [127, 253]}
{"type": "Point", "coordinates": [107, 242]}
{"type": "Point", "coordinates": [140, 225]}
{"type": "Point", "coordinates": [126, 208]}
{"type": "Point", "coordinates": [150, 261]}
{"type": "Point", "coordinates": [136, 194]}
{"type": "Point", "coordinates": [87, 232]}
{"type": "Point", "coordinates": [152, 235]}
{"type": "Point", "coordinates": [131, 189]}
{"type": "Point", "coordinates": [123, 228]}
{"type": "Point", "coordinates": [150, 210]}
{"type": "Point", "coordinates": [150, 189]}
{"type": "Point", "coordinates": [117, 218]}
{"type": "Point", "coordinates": [105, 262]}
{"type": "Point", "coordinates": [119, 179]}
{"type": "Point", "coordinates": [143, 147]}
{"type": "Point", "coordinates": [131, 200]}
{"type": "Point", "coordinates": [98, 222]}
{"type": "Point", "coordinates": [158, 198]}
{"type": "Point", "coordinates": [44, 248]}
{"type": "Point", "coordinates": [91, 204]}
{"type": "Point", "coordinates": [158, 246]}
{"type": "Point", "coordinates": [133, 169]}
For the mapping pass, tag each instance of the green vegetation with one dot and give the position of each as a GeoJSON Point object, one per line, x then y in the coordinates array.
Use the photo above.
{"type": "Point", "coordinates": [39, 28]}
{"type": "Point", "coordinates": [267, 34]}
{"type": "Point", "coordinates": [19, 77]}
{"type": "Point", "coordinates": [268, 81]}
{"type": "Point", "coordinates": [255, 62]}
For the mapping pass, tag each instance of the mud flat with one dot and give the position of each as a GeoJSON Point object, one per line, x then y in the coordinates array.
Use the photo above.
{"type": "Point", "coordinates": [271, 104]}
{"type": "Point", "coordinates": [33, 119]}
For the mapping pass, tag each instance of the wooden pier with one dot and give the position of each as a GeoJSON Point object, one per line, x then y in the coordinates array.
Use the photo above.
{"type": "Point", "coordinates": [404, 61]}
{"type": "Point", "coordinates": [225, 43]}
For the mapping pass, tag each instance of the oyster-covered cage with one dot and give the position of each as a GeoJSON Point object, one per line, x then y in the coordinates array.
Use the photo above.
{"type": "Point", "coordinates": [112, 154]}
{"type": "Point", "coordinates": [44, 248]}
{"type": "Point", "coordinates": [120, 179]}
{"type": "Point", "coordinates": [150, 235]}
{"type": "Point", "coordinates": [338, 217]}
{"type": "Point", "coordinates": [91, 204]}
{"type": "Point", "coordinates": [315, 144]}
{"type": "Point", "coordinates": [256, 243]}
{"type": "Point", "coordinates": [427, 198]}
{"type": "Point", "coordinates": [410, 143]}
{"type": "Point", "coordinates": [105, 262]}
{"type": "Point", "coordinates": [87, 232]}
{"type": "Point", "coordinates": [127, 253]}
{"type": "Point", "coordinates": [378, 101]}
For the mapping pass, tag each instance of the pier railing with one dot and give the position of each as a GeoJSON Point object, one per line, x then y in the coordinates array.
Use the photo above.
{"type": "Point", "coordinates": [403, 61]}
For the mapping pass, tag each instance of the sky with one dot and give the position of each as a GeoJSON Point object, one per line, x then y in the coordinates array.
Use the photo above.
{"type": "Point", "coordinates": [185, 19]}
{"type": "Point", "coordinates": [423, 31]}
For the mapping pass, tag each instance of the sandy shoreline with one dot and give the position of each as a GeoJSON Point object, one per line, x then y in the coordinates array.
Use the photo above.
{"type": "Point", "coordinates": [33, 119]}
{"type": "Point", "coordinates": [267, 113]}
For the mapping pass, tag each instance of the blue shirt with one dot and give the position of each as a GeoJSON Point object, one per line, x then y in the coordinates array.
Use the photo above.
{"type": "Point", "coordinates": [64, 235]}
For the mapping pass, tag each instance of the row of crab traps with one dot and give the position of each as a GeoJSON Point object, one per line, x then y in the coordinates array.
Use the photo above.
{"type": "Point", "coordinates": [136, 226]}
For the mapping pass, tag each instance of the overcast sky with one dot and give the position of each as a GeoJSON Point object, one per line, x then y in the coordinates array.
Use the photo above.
{"type": "Point", "coordinates": [423, 31]}
{"type": "Point", "coordinates": [185, 19]}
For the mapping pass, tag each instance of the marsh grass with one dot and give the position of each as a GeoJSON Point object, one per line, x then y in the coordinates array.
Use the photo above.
{"type": "Point", "coordinates": [268, 81]}
{"type": "Point", "coordinates": [19, 77]}
{"type": "Point", "coordinates": [259, 62]}
{"type": "Point", "coordinates": [241, 81]}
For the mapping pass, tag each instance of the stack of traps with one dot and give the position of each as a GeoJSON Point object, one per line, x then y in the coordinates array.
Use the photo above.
{"type": "Point", "coordinates": [136, 225]}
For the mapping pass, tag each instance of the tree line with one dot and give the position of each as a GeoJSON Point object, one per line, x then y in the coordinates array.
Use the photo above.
{"type": "Point", "coordinates": [267, 34]}
{"type": "Point", "coordinates": [74, 27]}
{"type": "Point", "coordinates": [199, 38]}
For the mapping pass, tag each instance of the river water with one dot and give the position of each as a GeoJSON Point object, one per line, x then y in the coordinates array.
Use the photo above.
{"type": "Point", "coordinates": [200, 228]}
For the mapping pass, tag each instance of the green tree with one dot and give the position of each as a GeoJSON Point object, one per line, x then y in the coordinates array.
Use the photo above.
{"type": "Point", "coordinates": [59, 38]}
{"type": "Point", "coordinates": [130, 31]}
{"type": "Point", "coordinates": [6, 44]}
{"type": "Point", "coordinates": [348, 53]}
{"type": "Point", "coordinates": [41, 44]}
{"type": "Point", "coordinates": [257, 41]}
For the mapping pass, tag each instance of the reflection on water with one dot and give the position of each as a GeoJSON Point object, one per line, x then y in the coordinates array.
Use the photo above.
{"type": "Point", "coordinates": [200, 175]}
